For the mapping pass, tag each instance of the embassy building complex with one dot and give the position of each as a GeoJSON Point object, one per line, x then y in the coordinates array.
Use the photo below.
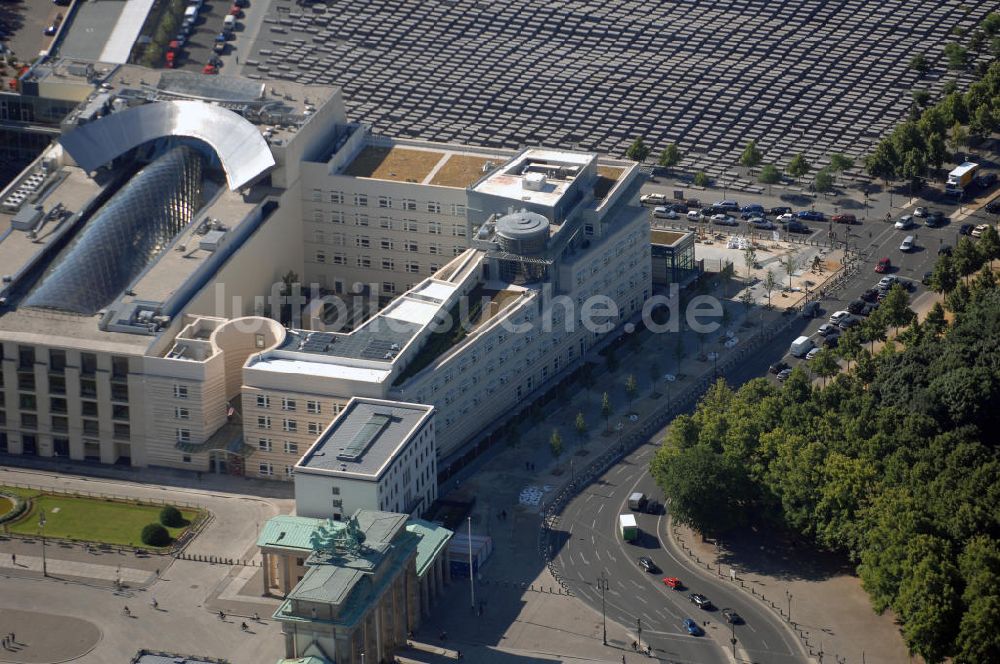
{"type": "Point", "coordinates": [203, 272]}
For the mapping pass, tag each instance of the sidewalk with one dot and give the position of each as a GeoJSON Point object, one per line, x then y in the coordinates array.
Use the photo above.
{"type": "Point", "coordinates": [58, 568]}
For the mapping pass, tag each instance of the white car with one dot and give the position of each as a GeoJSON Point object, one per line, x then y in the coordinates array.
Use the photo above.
{"type": "Point", "coordinates": [788, 216]}
{"type": "Point", "coordinates": [906, 221]}
{"type": "Point", "coordinates": [839, 316]}
{"type": "Point", "coordinates": [694, 215]}
{"type": "Point", "coordinates": [907, 244]}
{"type": "Point", "coordinates": [664, 213]}
{"type": "Point", "coordinates": [826, 329]}
{"type": "Point", "coordinates": [979, 230]}
{"type": "Point", "coordinates": [920, 212]}
{"type": "Point", "coordinates": [653, 199]}
{"type": "Point", "coordinates": [813, 353]}
{"type": "Point", "coordinates": [886, 282]}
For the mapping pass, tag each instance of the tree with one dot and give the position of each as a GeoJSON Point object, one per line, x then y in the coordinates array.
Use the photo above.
{"type": "Point", "coordinates": [746, 298]}
{"type": "Point", "coordinates": [670, 157]}
{"type": "Point", "coordinates": [895, 308]}
{"type": "Point", "coordinates": [920, 64]}
{"type": "Point", "coordinates": [631, 387]}
{"type": "Point", "coordinates": [956, 55]}
{"type": "Point", "coordinates": [849, 345]}
{"type": "Point", "coordinates": [769, 285]}
{"type": "Point", "coordinates": [638, 151]}
{"type": "Point", "coordinates": [791, 264]}
{"type": "Point", "coordinates": [928, 598]}
{"type": "Point", "coordinates": [984, 281]}
{"type": "Point", "coordinates": [824, 181]}
{"type": "Point", "coordinates": [798, 166]}
{"type": "Point", "coordinates": [989, 244]}
{"type": "Point", "coordinates": [967, 258]}
{"type": "Point", "coordinates": [977, 40]}
{"type": "Point", "coordinates": [581, 426]}
{"type": "Point", "coordinates": [769, 174]}
{"type": "Point", "coordinates": [991, 24]}
{"type": "Point", "coordinates": [881, 163]}
{"type": "Point", "coordinates": [606, 409]}
{"type": "Point", "coordinates": [945, 275]}
{"type": "Point", "coordinates": [556, 444]}
{"type": "Point", "coordinates": [914, 169]}
{"type": "Point", "coordinates": [725, 276]}
{"type": "Point", "coordinates": [873, 328]}
{"type": "Point", "coordinates": [749, 259]}
{"type": "Point", "coordinates": [935, 322]}
{"type": "Point", "coordinates": [921, 96]}
{"type": "Point", "coordinates": [825, 365]}
{"type": "Point", "coordinates": [700, 179]}
{"type": "Point", "coordinates": [751, 156]}
{"type": "Point", "coordinates": [171, 517]}
{"type": "Point", "coordinates": [705, 488]}
{"type": "Point", "coordinates": [154, 534]}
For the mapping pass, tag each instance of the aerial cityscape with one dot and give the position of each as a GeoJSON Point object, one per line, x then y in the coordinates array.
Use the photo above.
{"type": "Point", "coordinates": [423, 331]}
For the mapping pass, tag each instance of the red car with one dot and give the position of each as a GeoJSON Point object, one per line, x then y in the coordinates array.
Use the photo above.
{"type": "Point", "coordinates": [235, 11]}
{"type": "Point", "coordinates": [209, 69]}
{"type": "Point", "coordinates": [673, 582]}
{"type": "Point", "coordinates": [883, 265]}
{"type": "Point", "coordinates": [848, 219]}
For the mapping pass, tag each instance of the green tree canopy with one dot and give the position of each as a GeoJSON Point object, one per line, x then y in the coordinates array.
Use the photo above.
{"type": "Point", "coordinates": [700, 179]}
{"type": "Point", "coordinates": [769, 174]}
{"type": "Point", "coordinates": [824, 181]}
{"type": "Point", "coordinates": [920, 64]}
{"type": "Point", "coordinates": [840, 162]}
{"type": "Point", "coordinates": [670, 156]}
{"type": "Point", "coordinates": [638, 151]}
{"type": "Point", "coordinates": [798, 166]}
{"type": "Point", "coordinates": [956, 55]}
{"type": "Point", "coordinates": [751, 155]}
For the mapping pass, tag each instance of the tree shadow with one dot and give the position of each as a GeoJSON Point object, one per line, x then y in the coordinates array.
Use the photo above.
{"type": "Point", "coordinates": [780, 554]}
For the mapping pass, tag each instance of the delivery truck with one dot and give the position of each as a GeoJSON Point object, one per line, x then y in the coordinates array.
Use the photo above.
{"type": "Point", "coordinates": [628, 527]}
{"type": "Point", "coordinates": [801, 346]}
{"type": "Point", "coordinates": [637, 501]}
{"type": "Point", "coordinates": [960, 178]}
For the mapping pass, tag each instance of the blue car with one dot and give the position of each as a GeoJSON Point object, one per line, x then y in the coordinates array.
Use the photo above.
{"type": "Point", "coordinates": [753, 210]}
{"type": "Point", "coordinates": [692, 627]}
{"type": "Point", "coordinates": [810, 215]}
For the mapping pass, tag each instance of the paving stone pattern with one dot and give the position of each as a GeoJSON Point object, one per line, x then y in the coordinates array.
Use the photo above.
{"type": "Point", "coordinates": [808, 76]}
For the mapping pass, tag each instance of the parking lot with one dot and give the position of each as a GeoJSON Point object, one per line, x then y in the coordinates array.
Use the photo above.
{"type": "Point", "coordinates": [198, 50]}
{"type": "Point", "coordinates": [23, 23]}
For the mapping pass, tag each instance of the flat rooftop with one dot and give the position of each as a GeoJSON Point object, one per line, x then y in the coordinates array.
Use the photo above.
{"type": "Point", "coordinates": [537, 176]}
{"type": "Point", "coordinates": [667, 238]}
{"type": "Point", "coordinates": [365, 438]}
{"type": "Point", "coordinates": [439, 165]}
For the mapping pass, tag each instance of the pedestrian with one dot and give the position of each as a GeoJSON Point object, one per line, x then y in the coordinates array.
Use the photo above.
{"type": "Point", "coordinates": [155, 604]}
{"type": "Point", "coordinates": [4, 642]}
{"type": "Point", "coordinates": [125, 611]}
{"type": "Point", "coordinates": [256, 618]}
{"type": "Point", "coordinates": [244, 627]}
{"type": "Point", "coordinates": [635, 646]}
{"type": "Point", "coordinates": [13, 559]}
{"type": "Point", "coordinates": [623, 659]}
{"type": "Point", "coordinates": [237, 59]}
{"type": "Point", "coordinates": [157, 572]}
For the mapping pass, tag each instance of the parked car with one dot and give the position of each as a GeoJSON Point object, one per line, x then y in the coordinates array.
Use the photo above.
{"type": "Point", "coordinates": [870, 295]}
{"type": "Point", "coordinates": [839, 316]}
{"type": "Point", "coordinates": [926, 280]}
{"type": "Point", "coordinates": [797, 227]}
{"type": "Point", "coordinates": [979, 230]}
{"type": "Point", "coordinates": [728, 205]}
{"type": "Point", "coordinates": [692, 202]}
{"type": "Point", "coordinates": [724, 220]}
{"type": "Point", "coordinates": [694, 215]}
{"type": "Point", "coordinates": [848, 219]}
{"type": "Point", "coordinates": [673, 582]}
{"type": "Point", "coordinates": [783, 375]}
{"type": "Point", "coordinates": [778, 367]}
{"type": "Point", "coordinates": [647, 564]}
{"type": "Point", "coordinates": [732, 617]}
{"type": "Point", "coordinates": [664, 213]}
{"type": "Point", "coordinates": [883, 265]}
{"type": "Point", "coordinates": [848, 323]}
{"type": "Point", "coordinates": [241, 3]}
{"type": "Point", "coordinates": [905, 222]}
{"type": "Point", "coordinates": [855, 306]}
{"type": "Point", "coordinates": [827, 328]}
{"type": "Point", "coordinates": [701, 601]}
{"type": "Point", "coordinates": [965, 229]}
{"type": "Point", "coordinates": [653, 199]}
{"type": "Point", "coordinates": [885, 283]}
{"type": "Point", "coordinates": [692, 627]}
{"type": "Point", "coordinates": [811, 310]}
{"type": "Point", "coordinates": [653, 507]}
{"type": "Point", "coordinates": [920, 212]}
{"type": "Point", "coordinates": [869, 308]}
{"type": "Point", "coordinates": [993, 207]}
{"type": "Point", "coordinates": [762, 224]}
{"type": "Point", "coordinates": [785, 217]}
{"type": "Point", "coordinates": [831, 341]}
{"type": "Point", "coordinates": [810, 215]}
{"type": "Point", "coordinates": [986, 180]}
{"type": "Point", "coordinates": [813, 353]}
{"type": "Point", "coordinates": [209, 68]}
{"type": "Point", "coordinates": [781, 209]}
{"type": "Point", "coordinates": [935, 219]}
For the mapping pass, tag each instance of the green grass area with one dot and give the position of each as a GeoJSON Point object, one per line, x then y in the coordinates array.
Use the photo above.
{"type": "Point", "coordinates": [91, 519]}
{"type": "Point", "coordinates": [6, 505]}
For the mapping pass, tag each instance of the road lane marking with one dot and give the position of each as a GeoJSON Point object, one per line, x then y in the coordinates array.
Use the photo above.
{"type": "Point", "coordinates": [600, 507]}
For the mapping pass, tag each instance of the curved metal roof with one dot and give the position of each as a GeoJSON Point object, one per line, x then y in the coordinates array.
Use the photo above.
{"type": "Point", "coordinates": [242, 150]}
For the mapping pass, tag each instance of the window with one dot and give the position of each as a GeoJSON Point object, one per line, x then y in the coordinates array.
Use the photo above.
{"type": "Point", "coordinates": [457, 210]}
{"type": "Point", "coordinates": [57, 384]}
{"type": "Point", "coordinates": [319, 237]}
{"type": "Point", "coordinates": [258, 340]}
{"type": "Point", "coordinates": [25, 357]}
{"type": "Point", "coordinates": [338, 239]}
{"type": "Point", "coordinates": [186, 458]}
{"type": "Point", "coordinates": [264, 444]}
{"type": "Point", "coordinates": [339, 259]}
{"type": "Point", "coordinates": [409, 204]}
{"type": "Point", "coordinates": [28, 402]}
{"type": "Point", "coordinates": [410, 245]}
{"type": "Point", "coordinates": [180, 392]}
{"type": "Point", "coordinates": [412, 266]}
{"type": "Point", "coordinates": [119, 412]}
{"type": "Point", "coordinates": [384, 202]}
{"type": "Point", "coordinates": [57, 361]}
{"type": "Point", "coordinates": [385, 222]}
{"type": "Point", "coordinates": [434, 228]}
{"type": "Point", "coordinates": [361, 200]}
{"type": "Point", "coordinates": [312, 407]}
{"type": "Point", "coordinates": [183, 435]}
{"type": "Point", "coordinates": [364, 261]}
{"type": "Point", "coordinates": [435, 267]}
{"type": "Point", "coordinates": [182, 413]}
{"type": "Point", "coordinates": [434, 207]}
{"type": "Point", "coordinates": [263, 421]}
{"type": "Point", "coordinates": [289, 471]}
{"type": "Point", "coordinates": [313, 428]}
{"type": "Point", "coordinates": [386, 243]}
{"type": "Point", "coordinates": [588, 230]}
{"type": "Point", "coordinates": [388, 264]}
{"type": "Point", "coordinates": [361, 219]}
{"type": "Point", "coordinates": [337, 217]}
{"type": "Point", "coordinates": [290, 426]}
{"type": "Point", "coordinates": [362, 241]}
{"type": "Point", "coordinates": [335, 490]}
{"type": "Point", "coordinates": [337, 197]}
{"type": "Point", "coordinates": [320, 256]}
{"type": "Point", "coordinates": [88, 387]}
{"type": "Point", "coordinates": [88, 364]}
{"type": "Point", "coordinates": [318, 216]}
{"type": "Point", "coordinates": [287, 404]}
{"type": "Point", "coordinates": [410, 225]}
{"type": "Point", "coordinates": [337, 503]}
{"type": "Point", "coordinates": [434, 248]}
{"type": "Point", "coordinates": [291, 448]}
{"type": "Point", "coordinates": [317, 195]}
{"type": "Point", "coordinates": [388, 287]}
{"type": "Point", "coordinates": [458, 230]}
{"type": "Point", "coordinates": [30, 421]}
{"type": "Point", "coordinates": [266, 469]}
{"type": "Point", "coordinates": [57, 405]}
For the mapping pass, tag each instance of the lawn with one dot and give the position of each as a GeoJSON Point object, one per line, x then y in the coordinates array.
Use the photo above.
{"type": "Point", "coordinates": [91, 519]}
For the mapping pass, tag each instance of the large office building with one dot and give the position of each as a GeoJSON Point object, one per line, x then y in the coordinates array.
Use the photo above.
{"type": "Point", "coordinates": [150, 306]}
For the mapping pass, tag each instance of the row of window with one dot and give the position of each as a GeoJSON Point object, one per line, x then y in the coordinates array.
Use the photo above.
{"type": "Point", "coordinates": [387, 202]}
{"type": "Point", "coordinates": [287, 403]}
{"type": "Point", "coordinates": [412, 267]}
{"type": "Point", "coordinates": [289, 426]}
{"type": "Point", "coordinates": [60, 424]}
{"type": "Point", "coordinates": [27, 357]}
{"type": "Point", "coordinates": [267, 445]}
{"type": "Point", "coordinates": [266, 469]}
{"type": "Point", "coordinates": [386, 223]}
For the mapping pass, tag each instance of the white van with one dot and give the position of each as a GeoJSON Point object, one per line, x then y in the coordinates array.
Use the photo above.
{"type": "Point", "coordinates": [907, 244]}
{"type": "Point", "coordinates": [801, 346]}
{"type": "Point", "coordinates": [190, 14]}
{"type": "Point", "coordinates": [229, 22]}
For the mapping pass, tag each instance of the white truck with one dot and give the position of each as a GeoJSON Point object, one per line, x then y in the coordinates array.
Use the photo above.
{"type": "Point", "coordinates": [628, 527]}
{"type": "Point", "coordinates": [960, 178]}
{"type": "Point", "coordinates": [637, 501]}
{"type": "Point", "coordinates": [801, 346]}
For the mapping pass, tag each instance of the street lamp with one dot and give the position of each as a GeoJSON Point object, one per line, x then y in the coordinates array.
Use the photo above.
{"type": "Point", "coordinates": [602, 585]}
{"type": "Point", "coordinates": [732, 639]}
{"type": "Point", "coordinates": [472, 581]}
{"type": "Point", "coordinates": [41, 534]}
{"type": "Point", "coordinates": [788, 596]}
{"type": "Point", "coordinates": [638, 624]}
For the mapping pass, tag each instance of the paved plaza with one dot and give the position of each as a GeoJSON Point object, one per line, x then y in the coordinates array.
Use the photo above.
{"type": "Point", "coordinates": [796, 75]}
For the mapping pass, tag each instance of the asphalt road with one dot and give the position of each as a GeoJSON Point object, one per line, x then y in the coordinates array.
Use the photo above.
{"type": "Point", "coordinates": [586, 543]}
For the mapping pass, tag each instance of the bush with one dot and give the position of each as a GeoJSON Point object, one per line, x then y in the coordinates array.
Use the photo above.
{"type": "Point", "coordinates": [171, 517]}
{"type": "Point", "coordinates": [154, 534]}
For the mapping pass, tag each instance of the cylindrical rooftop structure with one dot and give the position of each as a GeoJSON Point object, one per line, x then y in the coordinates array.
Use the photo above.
{"type": "Point", "coordinates": [523, 233]}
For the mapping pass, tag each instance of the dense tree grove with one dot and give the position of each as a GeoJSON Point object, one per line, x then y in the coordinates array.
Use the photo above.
{"type": "Point", "coordinates": [895, 463]}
